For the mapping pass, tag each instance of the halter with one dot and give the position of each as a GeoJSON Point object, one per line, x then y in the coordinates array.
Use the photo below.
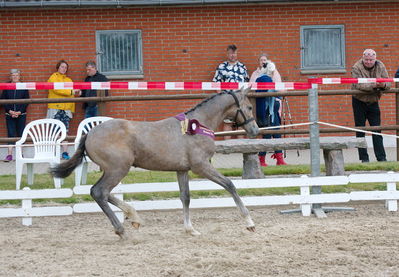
{"type": "Point", "coordinates": [239, 111]}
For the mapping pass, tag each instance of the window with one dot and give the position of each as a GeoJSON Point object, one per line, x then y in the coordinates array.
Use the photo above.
{"type": "Point", "coordinates": [323, 49]}
{"type": "Point", "coordinates": [119, 53]}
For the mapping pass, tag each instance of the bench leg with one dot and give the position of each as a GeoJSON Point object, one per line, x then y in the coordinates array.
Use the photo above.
{"type": "Point", "coordinates": [334, 161]}
{"type": "Point", "coordinates": [251, 168]}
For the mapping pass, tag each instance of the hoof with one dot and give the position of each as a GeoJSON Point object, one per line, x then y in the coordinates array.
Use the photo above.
{"type": "Point", "coordinates": [251, 228]}
{"type": "Point", "coordinates": [193, 232]}
{"type": "Point", "coordinates": [122, 236]}
{"type": "Point", "coordinates": [136, 225]}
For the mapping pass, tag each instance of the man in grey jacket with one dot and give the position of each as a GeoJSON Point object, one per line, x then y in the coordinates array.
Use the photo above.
{"type": "Point", "coordinates": [365, 106]}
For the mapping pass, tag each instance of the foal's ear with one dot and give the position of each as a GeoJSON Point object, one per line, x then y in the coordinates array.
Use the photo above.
{"type": "Point", "coordinates": [245, 91]}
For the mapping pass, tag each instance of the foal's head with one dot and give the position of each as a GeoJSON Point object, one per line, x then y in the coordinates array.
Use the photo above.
{"type": "Point", "coordinates": [241, 112]}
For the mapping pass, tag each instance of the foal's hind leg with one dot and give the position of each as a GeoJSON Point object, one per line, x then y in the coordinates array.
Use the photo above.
{"type": "Point", "coordinates": [101, 192]}
{"type": "Point", "coordinates": [207, 171]}
{"type": "Point", "coordinates": [128, 210]}
{"type": "Point", "coordinates": [182, 178]}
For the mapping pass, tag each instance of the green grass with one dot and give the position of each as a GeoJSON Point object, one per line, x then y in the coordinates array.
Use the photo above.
{"type": "Point", "coordinates": [44, 181]}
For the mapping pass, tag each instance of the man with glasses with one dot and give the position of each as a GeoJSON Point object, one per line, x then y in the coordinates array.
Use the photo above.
{"type": "Point", "coordinates": [91, 107]}
{"type": "Point", "coordinates": [365, 106]}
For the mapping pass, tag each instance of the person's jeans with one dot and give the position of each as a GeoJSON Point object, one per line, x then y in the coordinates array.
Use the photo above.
{"type": "Point", "coordinates": [275, 122]}
{"type": "Point", "coordinates": [15, 126]}
{"type": "Point", "coordinates": [62, 116]}
{"type": "Point", "coordinates": [91, 111]}
{"type": "Point", "coordinates": [368, 111]}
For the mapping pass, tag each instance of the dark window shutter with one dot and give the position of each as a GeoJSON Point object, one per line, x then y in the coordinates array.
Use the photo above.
{"type": "Point", "coordinates": [119, 52]}
{"type": "Point", "coordinates": [322, 47]}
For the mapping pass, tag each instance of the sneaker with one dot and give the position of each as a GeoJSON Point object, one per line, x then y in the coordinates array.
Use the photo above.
{"type": "Point", "coordinates": [8, 158]}
{"type": "Point", "coordinates": [65, 156]}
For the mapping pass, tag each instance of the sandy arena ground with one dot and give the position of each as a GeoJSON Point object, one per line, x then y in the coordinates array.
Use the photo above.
{"type": "Point", "coordinates": [361, 243]}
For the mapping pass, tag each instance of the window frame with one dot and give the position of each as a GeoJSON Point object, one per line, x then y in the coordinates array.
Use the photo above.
{"type": "Point", "coordinates": [323, 68]}
{"type": "Point", "coordinates": [135, 74]}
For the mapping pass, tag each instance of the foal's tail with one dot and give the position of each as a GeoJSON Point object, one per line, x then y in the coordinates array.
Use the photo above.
{"type": "Point", "coordinates": [65, 169]}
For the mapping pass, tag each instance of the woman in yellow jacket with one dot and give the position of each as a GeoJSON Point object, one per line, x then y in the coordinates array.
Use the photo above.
{"type": "Point", "coordinates": [61, 111]}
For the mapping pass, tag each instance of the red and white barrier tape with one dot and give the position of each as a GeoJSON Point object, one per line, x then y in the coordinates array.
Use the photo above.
{"type": "Point", "coordinates": [325, 81]}
{"type": "Point", "coordinates": [193, 85]}
{"type": "Point", "coordinates": [157, 85]}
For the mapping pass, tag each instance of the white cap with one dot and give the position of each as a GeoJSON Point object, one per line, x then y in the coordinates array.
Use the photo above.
{"type": "Point", "coordinates": [369, 53]}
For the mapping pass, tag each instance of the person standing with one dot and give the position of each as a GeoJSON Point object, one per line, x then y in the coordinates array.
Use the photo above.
{"type": "Point", "coordinates": [91, 108]}
{"type": "Point", "coordinates": [61, 111]}
{"type": "Point", "coordinates": [15, 113]}
{"type": "Point", "coordinates": [231, 71]}
{"type": "Point", "coordinates": [365, 106]}
{"type": "Point", "coordinates": [268, 109]}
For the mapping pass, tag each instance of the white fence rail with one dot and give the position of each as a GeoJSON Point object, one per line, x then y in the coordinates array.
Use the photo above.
{"type": "Point", "coordinates": [27, 211]}
{"type": "Point", "coordinates": [304, 199]}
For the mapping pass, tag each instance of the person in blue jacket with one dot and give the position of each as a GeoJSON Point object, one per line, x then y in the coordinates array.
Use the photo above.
{"type": "Point", "coordinates": [15, 114]}
{"type": "Point", "coordinates": [268, 108]}
{"type": "Point", "coordinates": [267, 115]}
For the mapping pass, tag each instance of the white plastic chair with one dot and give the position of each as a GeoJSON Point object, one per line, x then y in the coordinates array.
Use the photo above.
{"type": "Point", "coordinates": [46, 135]}
{"type": "Point", "coordinates": [84, 127]}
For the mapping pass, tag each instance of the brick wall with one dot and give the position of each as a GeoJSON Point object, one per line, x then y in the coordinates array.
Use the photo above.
{"type": "Point", "coordinates": [41, 37]}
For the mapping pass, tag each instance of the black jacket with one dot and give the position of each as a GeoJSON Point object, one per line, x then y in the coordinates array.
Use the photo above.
{"type": "Point", "coordinates": [98, 77]}
{"type": "Point", "coordinates": [15, 94]}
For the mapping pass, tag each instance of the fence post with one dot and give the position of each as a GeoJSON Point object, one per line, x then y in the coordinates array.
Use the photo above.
{"type": "Point", "coordinates": [314, 133]}
{"type": "Point", "coordinates": [392, 205]}
{"type": "Point", "coordinates": [305, 191]}
{"type": "Point", "coordinates": [26, 206]}
{"type": "Point", "coordinates": [315, 144]}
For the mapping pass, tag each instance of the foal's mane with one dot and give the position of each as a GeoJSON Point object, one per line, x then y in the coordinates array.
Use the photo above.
{"type": "Point", "coordinates": [206, 101]}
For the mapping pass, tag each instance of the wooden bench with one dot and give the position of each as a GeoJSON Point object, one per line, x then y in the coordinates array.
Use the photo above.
{"type": "Point", "coordinates": [332, 151]}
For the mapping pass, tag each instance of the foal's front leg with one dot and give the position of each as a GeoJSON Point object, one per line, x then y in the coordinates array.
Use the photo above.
{"type": "Point", "coordinates": [207, 171]}
{"type": "Point", "coordinates": [182, 178]}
